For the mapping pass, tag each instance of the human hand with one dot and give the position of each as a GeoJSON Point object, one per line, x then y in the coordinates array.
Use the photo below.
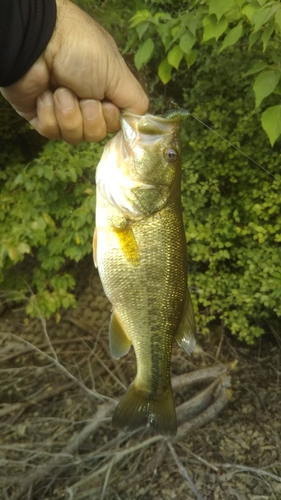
{"type": "Point", "coordinates": [76, 89]}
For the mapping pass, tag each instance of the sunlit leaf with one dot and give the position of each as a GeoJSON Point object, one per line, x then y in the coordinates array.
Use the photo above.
{"type": "Point", "coordinates": [278, 18]}
{"type": "Point", "coordinates": [261, 16]}
{"type": "Point", "coordinates": [265, 84]}
{"type": "Point", "coordinates": [232, 36]}
{"type": "Point", "coordinates": [220, 7]}
{"type": "Point", "coordinates": [165, 71]}
{"type": "Point", "coordinates": [259, 66]}
{"type": "Point", "coordinates": [174, 56]}
{"type": "Point", "coordinates": [139, 17]}
{"type": "Point", "coordinates": [266, 35]}
{"type": "Point", "coordinates": [23, 248]}
{"type": "Point", "coordinates": [141, 29]}
{"type": "Point", "coordinates": [144, 53]}
{"type": "Point", "coordinates": [253, 38]}
{"type": "Point", "coordinates": [271, 122]}
{"type": "Point", "coordinates": [190, 58]}
{"type": "Point", "coordinates": [249, 11]}
{"type": "Point", "coordinates": [187, 41]}
{"type": "Point", "coordinates": [212, 28]}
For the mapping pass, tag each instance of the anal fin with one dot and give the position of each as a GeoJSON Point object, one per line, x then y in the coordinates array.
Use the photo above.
{"type": "Point", "coordinates": [119, 342]}
{"type": "Point", "coordinates": [185, 336]}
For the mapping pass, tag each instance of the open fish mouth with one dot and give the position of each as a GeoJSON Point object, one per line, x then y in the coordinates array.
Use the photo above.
{"type": "Point", "coordinates": [147, 129]}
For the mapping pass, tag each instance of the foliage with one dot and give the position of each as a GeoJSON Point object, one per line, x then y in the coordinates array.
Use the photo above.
{"type": "Point", "coordinates": [47, 211]}
{"type": "Point", "coordinates": [175, 38]}
{"type": "Point", "coordinates": [232, 207]}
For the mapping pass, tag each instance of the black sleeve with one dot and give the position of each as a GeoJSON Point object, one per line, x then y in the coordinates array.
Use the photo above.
{"type": "Point", "coordinates": [26, 27]}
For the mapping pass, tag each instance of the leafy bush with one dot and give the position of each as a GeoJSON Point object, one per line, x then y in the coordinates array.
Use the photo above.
{"type": "Point", "coordinates": [232, 207]}
{"type": "Point", "coordinates": [47, 211]}
{"type": "Point", "coordinates": [173, 38]}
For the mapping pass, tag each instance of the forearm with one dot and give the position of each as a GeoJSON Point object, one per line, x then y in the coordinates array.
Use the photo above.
{"type": "Point", "coordinates": [26, 27]}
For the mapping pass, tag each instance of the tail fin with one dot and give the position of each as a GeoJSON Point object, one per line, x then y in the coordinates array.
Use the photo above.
{"type": "Point", "coordinates": [137, 410]}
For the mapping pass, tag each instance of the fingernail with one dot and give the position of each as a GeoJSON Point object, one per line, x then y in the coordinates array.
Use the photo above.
{"type": "Point", "coordinates": [66, 99]}
{"type": "Point", "coordinates": [47, 98]}
{"type": "Point", "coordinates": [110, 112]}
{"type": "Point", "coordinates": [90, 109]}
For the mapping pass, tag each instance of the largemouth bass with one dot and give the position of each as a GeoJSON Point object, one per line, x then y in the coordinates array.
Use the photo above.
{"type": "Point", "coordinates": [140, 252]}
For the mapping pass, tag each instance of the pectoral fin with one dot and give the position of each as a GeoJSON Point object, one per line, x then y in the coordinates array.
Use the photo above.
{"type": "Point", "coordinates": [119, 342]}
{"type": "Point", "coordinates": [95, 244]}
{"type": "Point", "coordinates": [128, 245]}
{"type": "Point", "coordinates": [186, 332]}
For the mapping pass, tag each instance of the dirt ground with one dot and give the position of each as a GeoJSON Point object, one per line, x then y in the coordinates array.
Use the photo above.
{"type": "Point", "coordinates": [59, 386]}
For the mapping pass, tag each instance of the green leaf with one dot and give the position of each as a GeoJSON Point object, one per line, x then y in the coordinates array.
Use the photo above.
{"type": "Point", "coordinates": [193, 24]}
{"type": "Point", "coordinates": [165, 35]}
{"type": "Point", "coordinates": [187, 41]}
{"type": "Point", "coordinates": [266, 35]}
{"type": "Point", "coordinates": [174, 56]}
{"type": "Point", "coordinates": [190, 58]}
{"type": "Point", "coordinates": [265, 84]}
{"type": "Point", "coordinates": [141, 29]}
{"type": "Point", "coordinates": [165, 71]}
{"type": "Point", "coordinates": [220, 7]}
{"type": "Point", "coordinates": [249, 11]}
{"type": "Point", "coordinates": [271, 122]}
{"type": "Point", "coordinates": [232, 36]}
{"type": "Point", "coordinates": [253, 38]}
{"type": "Point", "coordinates": [261, 16]}
{"type": "Point", "coordinates": [23, 248]}
{"type": "Point", "coordinates": [140, 17]}
{"type": "Point", "coordinates": [278, 18]}
{"type": "Point", "coordinates": [144, 53]}
{"type": "Point", "coordinates": [212, 28]}
{"type": "Point", "coordinates": [277, 89]}
{"type": "Point", "coordinates": [259, 66]}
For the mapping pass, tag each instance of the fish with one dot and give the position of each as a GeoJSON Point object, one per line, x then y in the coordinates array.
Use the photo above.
{"type": "Point", "coordinates": [140, 251]}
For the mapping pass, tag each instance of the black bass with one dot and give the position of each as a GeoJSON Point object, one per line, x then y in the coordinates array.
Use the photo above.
{"type": "Point", "coordinates": [140, 252]}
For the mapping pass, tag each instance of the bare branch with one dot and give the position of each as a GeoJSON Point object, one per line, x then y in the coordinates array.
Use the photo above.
{"type": "Point", "coordinates": [183, 472]}
{"type": "Point", "coordinates": [60, 459]}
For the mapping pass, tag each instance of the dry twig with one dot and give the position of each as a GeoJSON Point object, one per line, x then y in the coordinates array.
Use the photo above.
{"type": "Point", "coordinates": [62, 458]}
{"type": "Point", "coordinates": [183, 472]}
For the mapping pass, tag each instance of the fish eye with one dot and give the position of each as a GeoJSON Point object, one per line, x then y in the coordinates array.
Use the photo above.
{"type": "Point", "coordinates": [171, 155]}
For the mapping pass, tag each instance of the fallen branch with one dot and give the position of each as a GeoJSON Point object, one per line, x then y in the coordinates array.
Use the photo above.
{"type": "Point", "coordinates": [244, 468]}
{"type": "Point", "coordinates": [42, 346]}
{"type": "Point", "coordinates": [184, 473]}
{"type": "Point", "coordinates": [47, 394]}
{"type": "Point", "coordinates": [222, 398]}
{"type": "Point", "coordinates": [189, 409]}
{"type": "Point", "coordinates": [197, 376]}
{"type": "Point", "coordinates": [153, 463]}
{"type": "Point", "coordinates": [41, 471]}
{"type": "Point", "coordinates": [56, 363]}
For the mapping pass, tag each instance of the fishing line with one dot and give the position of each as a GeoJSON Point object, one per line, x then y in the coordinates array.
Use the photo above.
{"type": "Point", "coordinates": [184, 113]}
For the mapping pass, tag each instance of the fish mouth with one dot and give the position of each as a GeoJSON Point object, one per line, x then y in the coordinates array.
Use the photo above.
{"type": "Point", "coordinates": [147, 128]}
